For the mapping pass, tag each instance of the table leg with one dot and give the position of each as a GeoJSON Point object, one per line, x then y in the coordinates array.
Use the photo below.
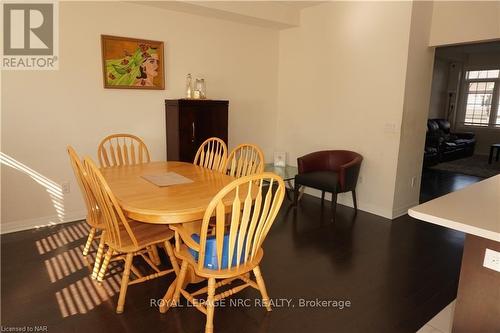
{"type": "Point", "coordinates": [168, 297]}
{"type": "Point", "coordinates": [301, 192]}
{"type": "Point", "coordinates": [498, 153]}
{"type": "Point", "coordinates": [490, 158]}
{"type": "Point", "coordinates": [167, 300]}
{"type": "Point", "coordinates": [289, 187]}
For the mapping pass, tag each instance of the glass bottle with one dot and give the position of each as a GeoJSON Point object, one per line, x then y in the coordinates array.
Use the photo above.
{"type": "Point", "coordinates": [189, 86]}
{"type": "Point", "coordinates": [203, 89]}
{"type": "Point", "coordinates": [200, 88]}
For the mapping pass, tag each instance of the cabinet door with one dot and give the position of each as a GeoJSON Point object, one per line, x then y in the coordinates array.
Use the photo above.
{"type": "Point", "coordinates": [213, 122]}
{"type": "Point", "coordinates": [188, 132]}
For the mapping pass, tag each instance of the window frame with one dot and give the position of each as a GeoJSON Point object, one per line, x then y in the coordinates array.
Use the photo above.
{"type": "Point", "coordinates": [495, 102]}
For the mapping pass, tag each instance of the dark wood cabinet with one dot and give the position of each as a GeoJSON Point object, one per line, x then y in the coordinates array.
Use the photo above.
{"type": "Point", "coordinates": [189, 122]}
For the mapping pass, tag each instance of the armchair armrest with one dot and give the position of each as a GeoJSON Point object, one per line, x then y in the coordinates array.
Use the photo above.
{"type": "Point", "coordinates": [433, 140]}
{"type": "Point", "coordinates": [348, 174]}
{"type": "Point", "coordinates": [185, 233]}
{"type": "Point", "coordinates": [464, 135]}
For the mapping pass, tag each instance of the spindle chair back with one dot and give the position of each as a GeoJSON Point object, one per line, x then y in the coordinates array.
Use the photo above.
{"type": "Point", "coordinates": [244, 211]}
{"type": "Point", "coordinates": [94, 218]}
{"type": "Point", "coordinates": [127, 238]}
{"type": "Point", "coordinates": [93, 215]}
{"type": "Point", "coordinates": [122, 149]}
{"type": "Point", "coordinates": [246, 159]}
{"type": "Point", "coordinates": [111, 212]}
{"type": "Point", "coordinates": [212, 154]}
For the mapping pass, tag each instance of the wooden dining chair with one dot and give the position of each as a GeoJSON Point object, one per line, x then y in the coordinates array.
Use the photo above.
{"type": "Point", "coordinates": [235, 249]}
{"type": "Point", "coordinates": [127, 238]}
{"type": "Point", "coordinates": [212, 154]}
{"type": "Point", "coordinates": [125, 149]}
{"type": "Point", "coordinates": [93, 217]}
{"type": "Point", "coordinates": [246, 159]}
{"type": "Point", "coordinates": [122, 149]}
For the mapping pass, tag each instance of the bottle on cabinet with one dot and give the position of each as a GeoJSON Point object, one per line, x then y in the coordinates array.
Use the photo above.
{"type": "Point", "coordinates": [200, 89]}
{"type": "Point", "coordinates": [189, 86]}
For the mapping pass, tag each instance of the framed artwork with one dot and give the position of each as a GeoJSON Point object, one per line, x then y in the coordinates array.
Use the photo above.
{"type": "Point", "coordinates": [132, 63]}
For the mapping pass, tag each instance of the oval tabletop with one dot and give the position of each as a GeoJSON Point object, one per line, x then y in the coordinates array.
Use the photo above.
{"type": "Point", "coordinates": [144, 201]}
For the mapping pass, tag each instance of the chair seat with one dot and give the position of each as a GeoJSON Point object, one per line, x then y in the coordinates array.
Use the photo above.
{"type": "Point", "coordinates": [321, 180]}
{"type": "Point", "coordinates": [184, 254]}
{"type": "Point", "coordinates": [146, 234]}
{"type": "Point", "coordinates": [464, 141]}
{"type": "Point", "coordinates": [95, 222]}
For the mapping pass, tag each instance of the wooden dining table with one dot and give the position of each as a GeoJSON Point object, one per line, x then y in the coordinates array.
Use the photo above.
{"type": "Point", "coordinates": [143, 201]}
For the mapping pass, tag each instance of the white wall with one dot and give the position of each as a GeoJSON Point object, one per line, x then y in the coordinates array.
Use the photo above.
{"type": "Point", "coordinates": [341, 86]}
{"type": "Point", "coordinates": [439, 92]}
{"type": "Point", "coordinates": [43, 111]}
{"type": "Point", "coordinates": [415, 110]}
{"type": "Point", "coordinates": [342, 80]}
{"type": "Point", "coordinates": [455, 22]}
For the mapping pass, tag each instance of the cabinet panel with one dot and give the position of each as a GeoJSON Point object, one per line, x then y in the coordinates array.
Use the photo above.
{"type": "Point", "coordinates": [190, 122]}
{"type": "Point", "coordinates": [187, 134]}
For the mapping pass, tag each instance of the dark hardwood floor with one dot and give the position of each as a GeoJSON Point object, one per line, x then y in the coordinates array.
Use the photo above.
{"type": "Point", "coordinates": [396, 274]}
{"type": "Point", "coordinates": [436, 183]}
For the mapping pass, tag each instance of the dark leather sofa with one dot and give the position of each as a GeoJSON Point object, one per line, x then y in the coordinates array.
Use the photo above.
{"type": "Point", "coordinates": [442, 145]}
{"type": "Point", "coordinates": [334, 171]}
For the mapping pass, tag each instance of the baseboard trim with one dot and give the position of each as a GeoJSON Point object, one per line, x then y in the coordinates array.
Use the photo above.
{"type": "Point", "coordinates": [35, 223]}
{"type": "Point", "coordinates": [347, 201]}
{"type": "Point", "coordinates": [39, 222]}
{"type": "Point", "coordinates": [398, 212]}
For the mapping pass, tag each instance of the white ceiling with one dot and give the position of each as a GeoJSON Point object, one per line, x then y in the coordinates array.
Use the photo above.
{"type": "Point", "coordinates": [271, 14]}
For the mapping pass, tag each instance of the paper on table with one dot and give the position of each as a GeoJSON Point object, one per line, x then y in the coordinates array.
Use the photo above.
{"type": "Point", "coordinates": [167, 179]}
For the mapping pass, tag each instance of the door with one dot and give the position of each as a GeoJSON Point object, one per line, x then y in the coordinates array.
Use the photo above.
{"type": "Point", "coordinates": [188, 132]}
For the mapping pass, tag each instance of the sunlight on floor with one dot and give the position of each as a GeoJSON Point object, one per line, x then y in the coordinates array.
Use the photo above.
{"type": "Point", "coordinates": [66, 263]}
{"type": "Point", "coordinates": [64, 236]}
{"type": "Point", "coordinates": [63, 252]}
{"type": "Point", "coordinates": [85, 294]}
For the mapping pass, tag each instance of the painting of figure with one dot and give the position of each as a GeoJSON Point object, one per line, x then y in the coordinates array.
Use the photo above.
{"type": "Point", "coordinates": [132, 63]}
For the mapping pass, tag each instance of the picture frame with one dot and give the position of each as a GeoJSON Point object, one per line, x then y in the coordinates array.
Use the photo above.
{"type": "Point", "coordinates": [132, 63]}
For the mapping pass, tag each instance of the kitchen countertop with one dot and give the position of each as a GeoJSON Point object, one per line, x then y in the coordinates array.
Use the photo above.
{"type": "Point", "coordinates": [474, 209]}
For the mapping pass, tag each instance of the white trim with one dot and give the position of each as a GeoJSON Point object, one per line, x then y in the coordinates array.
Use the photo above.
{"type": "Point", "coordinates": [20, 225]}
{"type": "Point", "coordinates": [346, 201]}
{"type": "Point", "coordinates": [398, 212]}
{"type": "Point", "coordinates": [464, 93]}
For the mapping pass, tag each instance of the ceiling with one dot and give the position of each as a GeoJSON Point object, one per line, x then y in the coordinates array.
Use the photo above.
{"type": "Point", "coordinates": [459, 52]}
{"type": "Point", "coordinates": [271, 14]}
{"type": "Point", "coordinates": [300, 4]}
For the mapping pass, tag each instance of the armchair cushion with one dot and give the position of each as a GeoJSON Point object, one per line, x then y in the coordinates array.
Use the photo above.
{"type": "Point", "coordinates": [465, 135]}
{"type": "Point", "coordinates": [344, 164]}
{"type": "Point", "coordinates": [321, 180]}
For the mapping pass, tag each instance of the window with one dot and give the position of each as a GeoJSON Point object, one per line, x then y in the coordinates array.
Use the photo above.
{"type": "Point", "coordinates": [482, 98]}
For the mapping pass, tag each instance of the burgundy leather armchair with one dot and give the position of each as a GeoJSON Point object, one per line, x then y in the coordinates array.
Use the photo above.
{"type": "Point", "coordinates": [334, 171]}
